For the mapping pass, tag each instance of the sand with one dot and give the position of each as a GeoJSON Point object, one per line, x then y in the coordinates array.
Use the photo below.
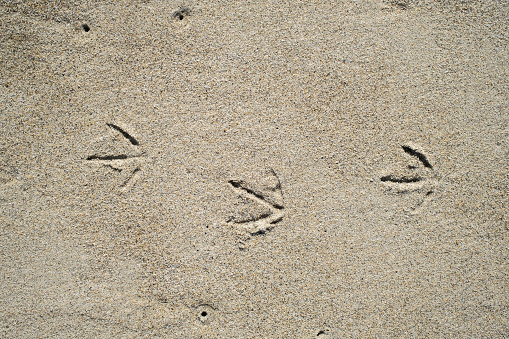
{"type": "Point", "coordinates": [254, 169]}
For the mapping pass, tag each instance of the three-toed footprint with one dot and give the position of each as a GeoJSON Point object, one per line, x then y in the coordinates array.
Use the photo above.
{"type": "Point", "coordinates": [260, 203]}
{"type": "Point", "coordinates": [114, 153]}
{"type": "Point", "coordinates": [418, 178]}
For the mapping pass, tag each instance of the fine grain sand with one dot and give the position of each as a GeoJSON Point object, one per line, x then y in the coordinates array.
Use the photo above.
{"type": "Point", "coordinates": [254, 169]}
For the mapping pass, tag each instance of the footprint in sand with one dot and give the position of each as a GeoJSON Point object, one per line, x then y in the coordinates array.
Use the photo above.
{"type": "Point", "coordinates": [260, 203]}
{"type": "Point", "coordinates": [419, 178]}
{"type": "Point", "coordinates": [114, 153]}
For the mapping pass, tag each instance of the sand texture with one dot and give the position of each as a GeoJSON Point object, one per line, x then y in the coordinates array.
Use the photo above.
{"type": "Point", "coordinates": [254, 169]}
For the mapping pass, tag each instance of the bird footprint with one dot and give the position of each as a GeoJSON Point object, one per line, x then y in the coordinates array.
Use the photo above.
{"type": "Point", "coordinates": [415, 178]}
{"type": "Point", "coordinates": [260, 206]}
{"type": "Point", "coordinates": [125, 160]}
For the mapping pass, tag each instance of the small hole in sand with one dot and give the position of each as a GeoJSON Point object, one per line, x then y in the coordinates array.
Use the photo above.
{"type": "Point", "coordinates": [85, 27]}
{"type": "Point", "coordinates": [204, 314]}
{"type": "Point", "coordinates": [181, 14]}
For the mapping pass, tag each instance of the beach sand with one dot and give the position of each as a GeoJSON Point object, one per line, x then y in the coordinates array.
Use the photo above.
{"type": "Point", "coordinates": [254, 169]}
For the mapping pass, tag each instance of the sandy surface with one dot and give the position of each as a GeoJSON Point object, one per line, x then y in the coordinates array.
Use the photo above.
{"type": "Point", "coordinates": [254, 169]}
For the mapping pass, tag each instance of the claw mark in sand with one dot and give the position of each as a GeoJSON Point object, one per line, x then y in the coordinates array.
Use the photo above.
{"type": "Point", "coordinates": [125, 134]}
{"type": "Point", "coordinates": [130, 177]}
{"type": "Point", "coordinates": [268, 198]}
{"type": "Point", "coordinates": [413, 152]}
{"type": "Point", "coordinates": [400, 179]}
{"type": "Point", "coordinates": [107, 157]}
